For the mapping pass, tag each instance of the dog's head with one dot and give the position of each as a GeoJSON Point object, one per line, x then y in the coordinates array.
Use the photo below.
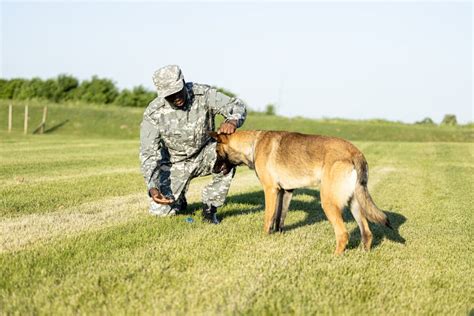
{"type": "Point", "coordinates": [223, 164]}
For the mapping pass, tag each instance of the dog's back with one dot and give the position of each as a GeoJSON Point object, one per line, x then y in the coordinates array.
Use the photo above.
{"type": "Point", "coordinates": [296, 160]}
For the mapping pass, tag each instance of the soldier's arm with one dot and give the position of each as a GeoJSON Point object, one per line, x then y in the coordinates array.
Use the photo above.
{"type": "Point", "coordinates": [233, 110]}
{"type": "Point", "coordinates": [150, 154]}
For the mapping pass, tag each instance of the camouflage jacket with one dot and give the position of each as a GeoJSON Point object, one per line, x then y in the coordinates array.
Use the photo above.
{"type": "Point", "coordinates": [169, 134]}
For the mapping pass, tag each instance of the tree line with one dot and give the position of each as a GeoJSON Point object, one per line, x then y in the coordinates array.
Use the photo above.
{"type": "Point", "coordinates": [68, 88]}
{"type": "Point", "coordinates": [97, 90]}
{"type": "Point", "coordinates": [448, 119]}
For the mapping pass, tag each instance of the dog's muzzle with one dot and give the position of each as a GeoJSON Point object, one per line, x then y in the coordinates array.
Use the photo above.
{"type": "Point", "coordinates": [222, 165]}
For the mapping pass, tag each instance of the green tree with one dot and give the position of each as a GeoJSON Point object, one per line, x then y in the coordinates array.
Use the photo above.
{"type": "Point", "coordinates": [3, 84]}
{"type": "Point", "coordinates": [96, 90]}
{"type": "Point", "coordinates": [270, 109]}
{"type": "Point", "coordinates": [138, 97]}
{"type": "Point", "coordinates": [11, 89]}
{"type": "Point", "coordinates": [36, 88]}
{"type": "Point", "coordinates": [32, 89]}
{"type": "Point", "coordinates": [125, 98]}
{"type": "Point", "coordinates": [66, 86]}
{"type": "Point", "coordinates": [449, 119]}
{"type": "Point", "coordinates": [50, 90]}
{"type": "Point", "coordinates": [426, 121]}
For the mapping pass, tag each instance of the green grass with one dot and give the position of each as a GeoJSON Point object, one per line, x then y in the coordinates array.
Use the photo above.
{"type": "Point", "coordinates": [36, 173]}
{"type": "Point", "coordinates": [123, 123]}
{"type": "Point", "coordinates": [75, 237]}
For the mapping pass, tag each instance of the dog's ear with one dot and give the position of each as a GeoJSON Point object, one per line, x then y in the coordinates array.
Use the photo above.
{"type": "Point", "coordinates": [221, 138]}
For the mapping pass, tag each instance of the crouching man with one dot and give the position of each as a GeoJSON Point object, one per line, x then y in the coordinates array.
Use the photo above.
{"type": "Point", "coordinates": [175, 145]}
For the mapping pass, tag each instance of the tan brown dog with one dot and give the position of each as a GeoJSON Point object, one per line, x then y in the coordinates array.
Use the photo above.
{"type": "Point", "coordinates": [284, 161]}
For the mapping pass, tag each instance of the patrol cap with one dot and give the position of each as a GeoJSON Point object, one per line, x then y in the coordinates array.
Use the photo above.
{"type": "Point", "coordinates": [168, 80]}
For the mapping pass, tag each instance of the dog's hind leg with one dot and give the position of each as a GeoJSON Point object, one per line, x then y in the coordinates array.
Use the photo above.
{"type": "Point", "coordinates": [285, 204]}
{"type": "Point", "coordinates": [334, 215]}
{"type": "Point", "coordinates": [337, 186]}
{"type": "Point", "coordinates": [365, 233]}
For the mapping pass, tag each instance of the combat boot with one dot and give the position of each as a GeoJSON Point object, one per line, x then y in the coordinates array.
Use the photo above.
{"type": "Point", "coordinates": [209, 214]}
{"type": "Point", "coordinates": [182, 203]}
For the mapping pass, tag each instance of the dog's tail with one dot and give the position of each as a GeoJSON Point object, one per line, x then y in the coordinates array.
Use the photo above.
{"type": "Point", "coordinates": [367, 205]}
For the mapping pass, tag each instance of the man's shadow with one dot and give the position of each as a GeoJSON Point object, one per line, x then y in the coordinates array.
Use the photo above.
{"type": "Point", "coordinates": [254, 202]}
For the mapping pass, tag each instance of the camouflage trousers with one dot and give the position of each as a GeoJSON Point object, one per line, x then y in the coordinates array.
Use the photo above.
{"type": "Point", "coordinates": [174, 181]}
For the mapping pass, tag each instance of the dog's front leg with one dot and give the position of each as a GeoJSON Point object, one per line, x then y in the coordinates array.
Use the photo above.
{"type": "Point", "coordinates": [271, 195]}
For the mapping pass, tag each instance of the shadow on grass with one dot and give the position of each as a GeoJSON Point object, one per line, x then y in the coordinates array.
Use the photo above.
{"type": "Point", "coordinates": [254, 202]}
{"type": "Point", "coordinates": [55, 127]}
{"type": "Point", "coordinates": [379, 232]}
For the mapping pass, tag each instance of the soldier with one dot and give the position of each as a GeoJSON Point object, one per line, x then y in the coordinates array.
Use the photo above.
{"type": "Point", "coordinates": [175, 145]}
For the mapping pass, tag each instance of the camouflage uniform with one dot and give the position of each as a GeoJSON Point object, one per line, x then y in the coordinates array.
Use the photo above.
{"type": "Point", "coordinates": [175, 145]}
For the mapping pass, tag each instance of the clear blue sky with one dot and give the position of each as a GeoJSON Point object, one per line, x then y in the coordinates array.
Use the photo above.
{"type": "Point", "coordinates": [393, 60]}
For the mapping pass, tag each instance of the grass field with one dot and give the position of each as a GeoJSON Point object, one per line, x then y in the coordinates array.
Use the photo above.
{"type": "Point", "coordinates": [75, 237]}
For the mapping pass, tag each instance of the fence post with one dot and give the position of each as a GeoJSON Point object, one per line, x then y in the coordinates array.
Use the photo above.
{"type": "Point", "coordinates": [10, 118]}
{"type": "Point", "coordinates": [25, 127]}
{"type": "Point", "coordinates": [43, 122]}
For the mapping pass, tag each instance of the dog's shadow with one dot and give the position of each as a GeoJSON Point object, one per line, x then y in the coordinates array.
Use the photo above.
{"type": "Point", "coordinates": [254, 202]}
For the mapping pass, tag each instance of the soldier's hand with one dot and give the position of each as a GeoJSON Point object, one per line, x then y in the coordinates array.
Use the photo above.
{"type": "Point", "coordinates": [228, 127]}
{"type": "Point", "coordinates": [159, 198]}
